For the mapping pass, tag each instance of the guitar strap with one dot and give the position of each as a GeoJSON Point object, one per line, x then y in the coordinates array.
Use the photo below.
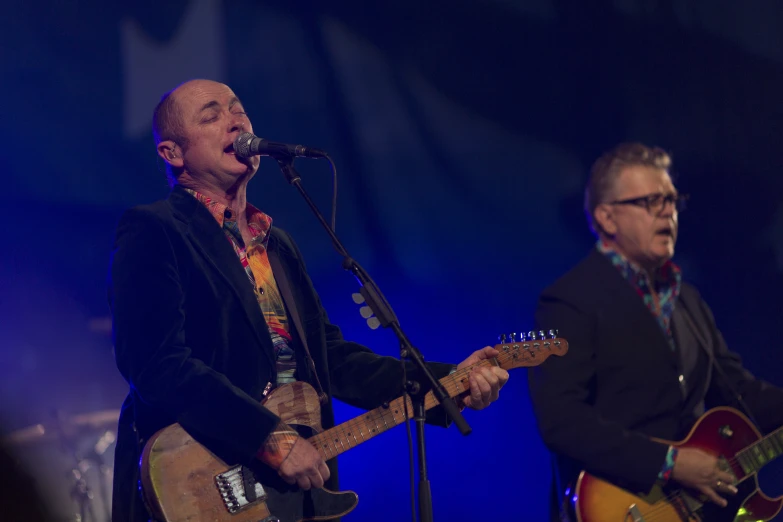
{"type": "Point", "coordinates": [281, 279]}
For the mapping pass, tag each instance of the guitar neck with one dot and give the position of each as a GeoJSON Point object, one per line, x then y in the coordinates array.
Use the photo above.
{"type": "Point", "coordinates": [761, 452]}
{"type": "Point", "coordinates": [350, 434]}
{"type": "Point", "coordinates": [511, 354]}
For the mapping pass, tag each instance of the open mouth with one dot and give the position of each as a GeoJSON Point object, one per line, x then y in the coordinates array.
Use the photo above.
{"type": "Point", "coordinates": [666, 231]}
{"type": "Point", "coordinates": [229, 149]}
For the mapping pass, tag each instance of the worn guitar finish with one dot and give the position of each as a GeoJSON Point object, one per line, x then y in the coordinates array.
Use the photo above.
{"type": "Point", "coordinates": [723, 432]}
{"type": "Point", "coordinates": [183, 481]}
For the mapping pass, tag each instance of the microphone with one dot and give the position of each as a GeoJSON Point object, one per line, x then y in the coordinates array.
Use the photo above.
{"type": "Point", "coordinates": [247, 145]}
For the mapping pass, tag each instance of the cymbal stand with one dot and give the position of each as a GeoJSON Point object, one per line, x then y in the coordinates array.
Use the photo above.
{"type": "Point", "coordinates": [80, 492]}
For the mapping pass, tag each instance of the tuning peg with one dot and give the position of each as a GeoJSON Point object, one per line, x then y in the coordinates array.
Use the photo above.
{"type": "Point", "coordinates": [357, 298]}
{"type": "Point", "coordinates": [373, 323]}
{"type": "Point", "coordinates": [531, 335]}
{"type": "Point", "coordinates": [365, 312]}
{"type": "Point", "coordinates": [502, 338]}
{"type": "Point", "coordinates": [512, 337]}
{"type": "Point", "coordinates": [553, 334]}
{"type": "Point", "coordinates": [541, 334]}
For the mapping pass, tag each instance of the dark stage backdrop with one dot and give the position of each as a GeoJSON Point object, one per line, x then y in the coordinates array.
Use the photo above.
{"type": "Point", "coordinates": [462, 132]}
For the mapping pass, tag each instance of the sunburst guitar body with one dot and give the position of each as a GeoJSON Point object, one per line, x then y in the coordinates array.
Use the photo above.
{"type": "Point", "coordinates": [722, 432]}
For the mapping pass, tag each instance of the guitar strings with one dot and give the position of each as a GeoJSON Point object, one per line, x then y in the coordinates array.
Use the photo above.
{"type": "Point", "coordinates": [731, 461]}
{"type": "Point", "coordinates": [651, 515]}
{"type": "Point", "coordinates": [345, 429]}
{"type": "Point", "coordinates": [379, 421]}
{"type": "Point", "coordinates": [678, 494]}
{"type": "Point", "coordinates": [324, 441]}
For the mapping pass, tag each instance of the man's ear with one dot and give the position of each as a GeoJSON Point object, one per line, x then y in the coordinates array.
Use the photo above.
{"type": "Point", "coordinates": [604, 218]}
{"type": "Point", "coordinates": [171, 153]}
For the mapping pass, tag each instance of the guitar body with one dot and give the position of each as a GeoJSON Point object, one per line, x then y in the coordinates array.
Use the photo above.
{"type": "Point", "coordinates": [721, 432]}
{"type": "Point", "coordinates": [183, 481]}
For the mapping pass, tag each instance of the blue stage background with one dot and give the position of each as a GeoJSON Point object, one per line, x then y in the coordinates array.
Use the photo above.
{"type": "Point", "coordinates": [462, 132]}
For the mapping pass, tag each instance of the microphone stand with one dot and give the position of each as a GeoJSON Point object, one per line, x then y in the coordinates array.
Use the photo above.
{"type": "Point", "coordinates": [383, 311]}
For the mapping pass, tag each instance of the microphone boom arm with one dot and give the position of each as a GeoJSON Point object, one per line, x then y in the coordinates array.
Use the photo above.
{"type": "Point", "coordinates": [383, 311]}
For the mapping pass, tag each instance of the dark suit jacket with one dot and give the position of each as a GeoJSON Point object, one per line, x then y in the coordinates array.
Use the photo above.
{"type": "Point", "coordinates": [621, 383]}
{"type": "Point", "coordinates": [194, 346]}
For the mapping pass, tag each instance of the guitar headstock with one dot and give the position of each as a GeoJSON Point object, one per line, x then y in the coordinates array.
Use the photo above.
{"type": "Point", "coordinates": [519, 350]}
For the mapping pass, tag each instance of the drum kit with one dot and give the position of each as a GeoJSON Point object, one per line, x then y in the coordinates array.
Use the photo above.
{"type": "Point", "coordinates": [71, 460]}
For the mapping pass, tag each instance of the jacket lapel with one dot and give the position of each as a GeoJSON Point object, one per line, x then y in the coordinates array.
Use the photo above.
{"type": "Point", "coordinates": [305, 334]}
{"type": "Point", "coordinates": [211, 243]}
{"type": "Point", "coordinates": [688, 321]}
{"type": "Point", "coordinates": [287, 260]}
{"type": "Point", "coordinates": [623, 298]}
{"type": "Point", "coordinates": [285, 269]}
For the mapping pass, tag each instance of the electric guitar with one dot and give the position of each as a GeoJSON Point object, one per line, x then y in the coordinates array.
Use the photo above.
{"type": "Point", "coordinates": [184, 481]}
{"type": "Point", "coordinates": [722, 432]}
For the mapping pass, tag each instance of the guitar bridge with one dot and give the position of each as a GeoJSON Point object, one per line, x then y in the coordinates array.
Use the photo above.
{"type": "Point", "coordinates": [634, 515]}
{"type": "Point", "coordinates": [231, 485]}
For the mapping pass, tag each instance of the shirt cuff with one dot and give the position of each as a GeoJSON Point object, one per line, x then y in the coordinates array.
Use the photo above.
{"type": "Point", "coordinates": [668, 465]}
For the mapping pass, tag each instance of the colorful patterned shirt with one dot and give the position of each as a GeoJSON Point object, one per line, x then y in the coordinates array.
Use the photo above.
{"type": "Point", "coordinates": [255, 261]}
{"type": "Point", "coordinates": [660, 296]}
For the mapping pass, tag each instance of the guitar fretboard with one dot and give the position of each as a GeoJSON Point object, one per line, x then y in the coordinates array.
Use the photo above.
{"type": "Point", "coordinates": [350, 434]}
{"type": "Point", "coordinates": [755, 456]}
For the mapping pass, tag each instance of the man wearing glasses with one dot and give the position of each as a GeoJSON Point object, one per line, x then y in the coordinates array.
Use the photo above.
{"type": "Point", "coordinates": [646, 358]}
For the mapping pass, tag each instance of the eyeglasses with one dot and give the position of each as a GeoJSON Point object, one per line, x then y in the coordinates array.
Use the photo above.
{"type": "Point", "coordinates": [655, 203]}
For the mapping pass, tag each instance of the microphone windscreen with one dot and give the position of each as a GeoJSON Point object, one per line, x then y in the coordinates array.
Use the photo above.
{"type": "Point", "coordinates": [242, 145]}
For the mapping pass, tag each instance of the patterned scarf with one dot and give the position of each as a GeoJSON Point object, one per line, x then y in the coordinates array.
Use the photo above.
{"type": "Point", "coordinates": [667, 284]}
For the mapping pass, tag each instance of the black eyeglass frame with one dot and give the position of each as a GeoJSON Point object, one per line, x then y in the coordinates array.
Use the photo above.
{"type": "Point", "coordinates": [655, 203]}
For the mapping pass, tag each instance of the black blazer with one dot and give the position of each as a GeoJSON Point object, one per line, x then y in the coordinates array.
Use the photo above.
{"type": "Point", "coordinates": [191, 341]}
{"type": "Point", "coordinates": [621, 383]}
